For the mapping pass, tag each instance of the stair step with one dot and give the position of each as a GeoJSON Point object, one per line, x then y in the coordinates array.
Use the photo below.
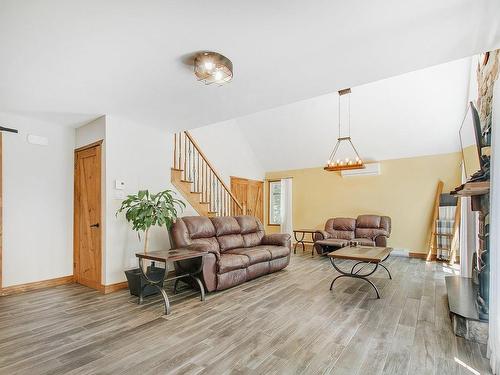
{"type": "Point", "coordinates": [205, 202]}
{"type": "Point", "coordinates": [187, 181]}
{"type": "Point", "coordinates": [177, 169]}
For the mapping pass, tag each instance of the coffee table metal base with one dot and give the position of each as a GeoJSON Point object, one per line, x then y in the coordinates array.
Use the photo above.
{"type": "Point", "coordinates": [356, 274]}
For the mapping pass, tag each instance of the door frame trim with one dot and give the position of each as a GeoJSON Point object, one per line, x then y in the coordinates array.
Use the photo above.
{"type": "Point", "coordinates": [97, 143]}
{"type": "Point", "coordinates": [97, 285]}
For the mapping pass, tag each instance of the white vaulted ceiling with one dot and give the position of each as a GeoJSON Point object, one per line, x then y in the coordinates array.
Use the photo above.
{"type": "Point", "coordinates": [70, 60]}
{"type": "Point", "coordinates": [413, 114]}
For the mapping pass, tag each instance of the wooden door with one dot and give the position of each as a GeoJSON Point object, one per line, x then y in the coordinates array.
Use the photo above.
{"type": "Point", "coordinates": [87, 216]}
{"type": "Point", "coordinates": [239, 189]}
{"type": "Point", "coordinates": [250, 194]}
{"type": "Point", "coordinates": [255, 200]}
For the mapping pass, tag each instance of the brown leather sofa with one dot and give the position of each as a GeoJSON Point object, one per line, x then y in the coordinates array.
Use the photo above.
{"type": "Point", "coordinates": [368, 230]}
{"type": "Point", "coordinates": [239, 250]}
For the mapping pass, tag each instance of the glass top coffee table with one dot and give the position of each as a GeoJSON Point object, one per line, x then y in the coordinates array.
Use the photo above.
{"type": "Point", "coordinates": [365, 257]}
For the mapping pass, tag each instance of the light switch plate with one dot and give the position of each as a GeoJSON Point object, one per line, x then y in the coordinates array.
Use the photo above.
{"type": "Point", "coordinates": [119, 184]}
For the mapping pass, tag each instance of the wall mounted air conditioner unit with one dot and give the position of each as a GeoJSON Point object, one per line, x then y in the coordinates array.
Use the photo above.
{"type": "Point", "coordinates": [372, 169]}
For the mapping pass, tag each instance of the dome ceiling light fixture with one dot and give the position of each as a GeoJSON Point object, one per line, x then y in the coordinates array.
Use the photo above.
{"type": "Point", "coordinates": [334, 164]}
{"type": "Point", "coordinates": [212, 67]}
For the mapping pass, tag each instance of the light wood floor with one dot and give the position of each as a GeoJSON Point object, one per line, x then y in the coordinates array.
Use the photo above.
{"type": "Point", "coordinates": [285, 323]}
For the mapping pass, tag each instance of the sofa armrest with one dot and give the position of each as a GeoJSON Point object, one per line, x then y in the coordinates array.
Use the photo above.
{"type": "Point", "coordinates": [277, 239]}
{"type": "Point", "coordinates": [321, 235]}
{"type": "Point", "coordinates": [380, 240]}
{"type": "Point", "coordinates": [204, 247]}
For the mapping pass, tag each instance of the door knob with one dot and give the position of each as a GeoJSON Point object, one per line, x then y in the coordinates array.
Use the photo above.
{"type": "Point", "coordinates": [96, 225]}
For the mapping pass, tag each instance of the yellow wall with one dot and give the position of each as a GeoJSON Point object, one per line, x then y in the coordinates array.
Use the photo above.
{"type": "Point", "coordinates": [405, 191]}
{"type": "Point", "coordinates": [471, 160]}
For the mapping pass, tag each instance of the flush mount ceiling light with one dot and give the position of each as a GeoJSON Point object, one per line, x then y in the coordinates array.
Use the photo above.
{"type": "Point", "coordinates": [212, 67]}
{"type": "Point", "coordinates": [334, 164]}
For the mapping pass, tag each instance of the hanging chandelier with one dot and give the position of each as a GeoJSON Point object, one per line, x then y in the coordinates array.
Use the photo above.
{"type": "Point", "coordinates": [212, 67]}
{"type": "Point", "coordinates": [337, 164]}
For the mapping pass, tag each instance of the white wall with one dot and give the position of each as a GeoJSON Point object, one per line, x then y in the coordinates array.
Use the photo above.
{"type": "Point", "coordinates": [141, 157]}
{"type": "Point", "coordinates": [228, 150]}
{"type": "Point", "coordinates": [37, 202]}
{"type": "Point", "coordinates": [92, 132]}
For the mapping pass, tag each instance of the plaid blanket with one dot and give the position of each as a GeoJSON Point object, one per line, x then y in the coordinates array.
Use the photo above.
{"type": "Point", "coordinates": [444, 230]}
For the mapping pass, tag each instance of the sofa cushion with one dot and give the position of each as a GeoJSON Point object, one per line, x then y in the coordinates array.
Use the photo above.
{"type": "Point", "coordinates": [341, 227]}
{"type": "Point", "coordinates": [342, 224]}
{"type": "Point", "coordinates": [231, 262]}
{"type": "Point", "coordinates": [225, 225]}
{"type": "Point", "coordinates": [278, 251]}
{"type": "Point", "coordinates": [257, 269]}
{"type": "Point", "coordinates": [365, 241]}
{"type": "Point", "coordinates": [248, 224]}
{"type": "Point", "coordinates": [343, 234]}
{"type": "Point", "coordinates": [368, 221]}
{"type": "Point", "coordinates": [230, 241]}
{"type": "Point", "coordinates": [251, 230]}
{"type": "Point", "coordinates": [253, 239]}
{"type": "Point", "coordinates": [254, 254]}
{"type": "Point", "coordinates": [199, 227]}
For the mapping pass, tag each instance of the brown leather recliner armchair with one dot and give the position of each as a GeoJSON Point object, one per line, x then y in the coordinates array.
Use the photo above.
{"type": "Point", "coordinates": [368, 230]}
{"type": "Point", "coordinates": [238, 249]}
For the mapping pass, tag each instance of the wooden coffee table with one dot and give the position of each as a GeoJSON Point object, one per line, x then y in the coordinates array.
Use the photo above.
{"type": "Point", "coordinates": [171, 256]}
{"type": "Point", "coordinates": [362, 255]}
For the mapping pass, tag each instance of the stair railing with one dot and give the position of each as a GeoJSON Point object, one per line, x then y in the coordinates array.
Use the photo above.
{"type": "Point", "coordinates": [204, 179]}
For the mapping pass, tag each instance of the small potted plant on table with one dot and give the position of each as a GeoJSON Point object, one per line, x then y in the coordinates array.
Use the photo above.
{"type": "Point", "coordinates": [145, 210]}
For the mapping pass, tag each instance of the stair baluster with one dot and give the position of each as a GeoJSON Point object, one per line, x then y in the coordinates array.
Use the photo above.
{"type": "Point", "coordinates": [196, 179]}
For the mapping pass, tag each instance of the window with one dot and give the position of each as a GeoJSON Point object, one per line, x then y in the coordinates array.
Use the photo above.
{"type": "Point", "coordinates": [274, 205]}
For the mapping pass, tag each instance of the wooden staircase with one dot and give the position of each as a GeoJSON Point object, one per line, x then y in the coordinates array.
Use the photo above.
{"type": "Point", "coordinates": [198, 182]}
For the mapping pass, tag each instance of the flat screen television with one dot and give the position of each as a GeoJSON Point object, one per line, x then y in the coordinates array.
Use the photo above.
{"type": "Point", "coordinates": [478, 133]}
{"type": "Point", "coordinates": [471, 133]}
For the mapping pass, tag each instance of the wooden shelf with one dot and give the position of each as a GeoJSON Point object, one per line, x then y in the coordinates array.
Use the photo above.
{"type": "Point", "coordinates": [473, 188]}
{"type": "Point", "coordinates": [343, 167]}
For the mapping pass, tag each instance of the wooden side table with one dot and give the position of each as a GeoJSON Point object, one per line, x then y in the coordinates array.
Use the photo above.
{"type": "Point", "coordinates": [171, 256]}
{"type": "Point", "coordinates": [302, 241]}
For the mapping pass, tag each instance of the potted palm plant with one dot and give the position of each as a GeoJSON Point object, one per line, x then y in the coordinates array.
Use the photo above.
{"type": "Point", "coordinates": [144, 210]}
